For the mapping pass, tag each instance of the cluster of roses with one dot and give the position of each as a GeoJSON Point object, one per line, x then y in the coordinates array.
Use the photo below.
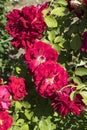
{"type": "Point", "coordinates": [15, 90]}
{"type": "Point", "coordinates": [26, 26]}
{"type": "Point", "coordinates": [77, 6]}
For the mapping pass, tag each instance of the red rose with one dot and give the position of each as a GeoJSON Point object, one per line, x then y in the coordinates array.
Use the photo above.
{"type": "Point", "coordinates": [5, 120]}
{"type": "Point", "coordinates": [62, 103]}
{"type": "Point", "coordinates": [39, 53]}
{"type": "Point", "coordinates": [4, 97]}
{"type": "Point", "coordinates": [17, 87]}
{"type": "Point", "coordinates": [85, 2]}
{"type": "Point", "coordinates": [26, 25]}
{"type": "Point", "coordinates": [50, 77]}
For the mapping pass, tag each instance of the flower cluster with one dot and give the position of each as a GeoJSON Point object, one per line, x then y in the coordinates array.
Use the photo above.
{"type": "Point", "coordinates": [50, 78]}
{"type": "Point", "coordinates": [17, 88]}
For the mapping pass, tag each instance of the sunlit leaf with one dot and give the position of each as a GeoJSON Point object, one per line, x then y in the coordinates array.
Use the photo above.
{"type": "Point", "coordinates": [51, 22]}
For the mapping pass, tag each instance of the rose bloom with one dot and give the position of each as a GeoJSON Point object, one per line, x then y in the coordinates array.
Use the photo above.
{"type": "Point", "coordinates": [76, 7]}
{"type": "Point", "coordinates": [62, 103]}
{"type": "Point", "coordinates": [4, 97]}
{"type": "Point", "coordinates": [84, 44]}
{"type": "Point", "coordinates": [5, 120]}
{"type": "Point", "coordinates": [26, 25]}
{"type": "Point", "coordinates": [49, 77]}
{"type": "Point", "coordinates": [72, 4]}
{"type": "Point", "coordinates": [17, 87]}
{"type": "Point", "coordinates": [85, 2]}
{"type": "Point", "coordinates": [38, 54]}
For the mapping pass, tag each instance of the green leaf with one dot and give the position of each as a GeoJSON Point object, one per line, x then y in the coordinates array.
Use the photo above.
{"type": "Point", "coordinates": [58, 39]}
{"type": "Point", "coordinates": [60, 11]}
{"type": "Point", "coordinates": [20, 122]}
{"type": "Point", "coordinates": [11, 128]}
{"type": "Point", "coordinates": [51, 22]}
{"type": "Point", "coordinates": [36, 128]}
{"type": "Point", "coordinates": [76, 42]}
{"type": "Point", "coordinates": [81, 71]}
{"type": "Point", "coordinates": [46, 124]}
{"type": "Point", "coordinates": [80, 86]}
{"type": "Point", "coordinates": [81, 63]}
{"type": "Point", "coordinates": [77, 80]}
{"type": "Point", "coordinates": [45, 40]}
{"type": "Point", "coordinates": [61, 44]}
{"type": "Point", "coordinates": [35, 119]}
{"type": "Point", "coordinates": [72, 95]}
{"type": "Point", "coordinates": [45, 11]}
{"type": "Point", "coordinates": [84, 95]}
{"type": "Point", "coordinates": [24, 127]}
{"type": "Point", "coordinates": [85, 101]}
{"type": "Point", "coordinates": [18, 70]}
{"type": "Point", "coordinates": [18, 105]}
{"type": "Point", "coordinates": [28, 115]}
{"type": "Point", "coordinates": [51, 35]}
{"type": "Point", "coordinates": [15, 116]}
{"type": "Point", "coordinates": [56, 47]}
{"type": "Point", "coordinates": [43, 125]}
{"type": "Point", "coordinates": [62, 2]}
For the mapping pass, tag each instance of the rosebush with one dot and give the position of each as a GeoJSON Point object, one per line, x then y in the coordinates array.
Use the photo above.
{"type": "Point", "coordinates": [46, 85]}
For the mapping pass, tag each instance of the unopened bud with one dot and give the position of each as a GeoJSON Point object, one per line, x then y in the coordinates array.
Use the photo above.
{"type": "Point", "coordinates": [76, 3]}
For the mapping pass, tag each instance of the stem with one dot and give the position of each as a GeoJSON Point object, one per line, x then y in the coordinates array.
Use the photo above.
{"type": "Point", "coordinates": [70, 85]}
{"type": "Point", "coordinates": [9, 39]}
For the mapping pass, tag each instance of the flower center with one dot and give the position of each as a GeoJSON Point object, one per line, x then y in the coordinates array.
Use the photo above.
{"type": "Point", "coordinates": [1, 122]}
{"type": "Point", "coordinates": [41, 59]}
{"type": "Point", "coordinates": [50, 80]}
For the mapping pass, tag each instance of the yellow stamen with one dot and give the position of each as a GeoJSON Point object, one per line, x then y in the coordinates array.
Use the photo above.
{"type": "Point", "coordinates": [1, 122]}
{"type": "Point", "coordinates": [50, 80]}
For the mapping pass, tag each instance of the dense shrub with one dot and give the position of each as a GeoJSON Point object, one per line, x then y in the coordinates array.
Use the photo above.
{"type": "Point", "coordinates": [43, 66]}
